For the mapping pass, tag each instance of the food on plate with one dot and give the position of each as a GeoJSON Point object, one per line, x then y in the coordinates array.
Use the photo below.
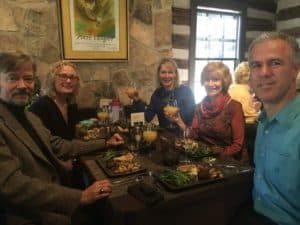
{"type": "Point", "coordinates": [91, 134]}
{"type": "Point", "coordinates": [191, 169]}
{"type": "Point", "coordinates": [192, 148]}
{"type": "Point", "coordinates": [174, 177]}
{"type": "Point", "coordinates": [214, 173]}
{"type": "Point", "coordinates": [88, 130]}
{"type": "Point", "coordinates": [189, 174]}
{"type": "Point", "coordinates": [120, 163]}
{"type": "Point", "coordinates": [124, 158]}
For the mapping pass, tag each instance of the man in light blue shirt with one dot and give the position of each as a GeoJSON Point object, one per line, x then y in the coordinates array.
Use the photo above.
{"type": "Point", "coordinates": [274, 65]}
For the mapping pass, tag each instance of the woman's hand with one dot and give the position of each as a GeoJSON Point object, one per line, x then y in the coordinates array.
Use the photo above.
{"type": "Point", "coordinates": [115, 140]}
{"type": "Point", "coordinates": [176, 118]}
{"type": "Point", "coordinates": [98, 190]}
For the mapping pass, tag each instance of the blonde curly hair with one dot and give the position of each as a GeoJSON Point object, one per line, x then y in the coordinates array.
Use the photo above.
{"type": "Point", "coordinates": [49, 86]}
{"type": "Point", "coordinates": [242, 73]}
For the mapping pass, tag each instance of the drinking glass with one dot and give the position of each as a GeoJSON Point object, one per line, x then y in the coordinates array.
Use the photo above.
{"type": "Point", "coordinates": [171, 109]}
{"type": "Point", "coordinates": [149, 135]}
{"type": "Point", "coordinates": [103, 115]}
{"type": "Point", "coordinates": [186, 133]}
{"type": "Point", "coordinates": [131, 91]}
{"type": "Point", "coordinates": [137, 132]}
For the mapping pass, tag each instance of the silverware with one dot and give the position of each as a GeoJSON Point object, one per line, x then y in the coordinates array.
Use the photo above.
{"type": "Point", "coordinates": [127, 180]}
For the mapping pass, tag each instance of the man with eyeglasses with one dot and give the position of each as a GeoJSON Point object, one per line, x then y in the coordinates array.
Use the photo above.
{"type": "Point", "coordinates": [31, 176]}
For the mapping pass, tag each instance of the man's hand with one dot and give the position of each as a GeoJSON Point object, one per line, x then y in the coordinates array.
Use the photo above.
{"type": "Point", "coordinates": [98, 190]}
{"type": "Point", "coordinates": [115, 140]}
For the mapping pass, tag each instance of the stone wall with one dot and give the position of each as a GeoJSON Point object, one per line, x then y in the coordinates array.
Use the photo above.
{"type": "Point", "coordinates": [32, 26]}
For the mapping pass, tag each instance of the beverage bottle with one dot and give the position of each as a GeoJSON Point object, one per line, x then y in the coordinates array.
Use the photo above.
{"type": "Point", "coordinates": [115, 110]}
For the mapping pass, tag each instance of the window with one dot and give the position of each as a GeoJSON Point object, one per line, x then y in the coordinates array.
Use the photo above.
{"type": "Point", "coordinates": [217, 36]}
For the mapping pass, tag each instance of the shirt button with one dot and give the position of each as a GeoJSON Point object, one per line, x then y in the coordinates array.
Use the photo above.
{"type": "Point", "coordinates": [266, 131]}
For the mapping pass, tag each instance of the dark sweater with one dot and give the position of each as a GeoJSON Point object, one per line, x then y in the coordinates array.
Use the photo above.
{"type": "Point", "coordinates": [46, 109]}
{"type": "Point", "coordinates": [159, 99]}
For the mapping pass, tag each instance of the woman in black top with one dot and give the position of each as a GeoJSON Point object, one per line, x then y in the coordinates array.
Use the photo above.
{"type": "Point", "coordinates": [57, 108]}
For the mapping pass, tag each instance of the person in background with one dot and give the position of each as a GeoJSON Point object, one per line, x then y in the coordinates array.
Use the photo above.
{"type": "Point", "coordinates": [274, 64]}
{"type": "Point", "coordinates": [169, 88]}
{"type": "Point", "coordinates": [240, 91]}
{"type": "Point", "coordinates": [32, 177]}
{"type": "Point", "coordinates": [219, 121]}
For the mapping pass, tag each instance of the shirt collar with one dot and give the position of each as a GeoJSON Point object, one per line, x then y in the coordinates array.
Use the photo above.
{"type": "Point", "coordinates": [285, 115]}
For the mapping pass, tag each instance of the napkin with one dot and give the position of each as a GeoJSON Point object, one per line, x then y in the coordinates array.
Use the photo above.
{"type": "Point", "coordinates": [145, 193]}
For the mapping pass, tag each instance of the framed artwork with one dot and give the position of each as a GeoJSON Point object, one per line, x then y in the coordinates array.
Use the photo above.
{"type": "Point", "coordinates": [94, 29]}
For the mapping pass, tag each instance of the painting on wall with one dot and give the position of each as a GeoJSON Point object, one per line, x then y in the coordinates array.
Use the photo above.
{"type": "Point", "coordinates": [94, 29]}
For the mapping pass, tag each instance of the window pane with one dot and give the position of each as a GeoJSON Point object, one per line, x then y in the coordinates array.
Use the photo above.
{"type": "Point", "coordinates": [202, 49]}
{"type": "Point", "coordinates": [230, 30]}
{"type": "Point", "coordinates": [230, 64]}
{"type": "Point", "coordinates": [217, 39]}
{"type": "Point", "coordinates": [229, 50]}
{"type": "Point", "coordinates": [215, 21]}
{"type": "Point", "coordinates": [199, 92]}
{"type": "Point", "coordinates": [199, 65]}
{"type": "Point", "coordinates": [209, 49]}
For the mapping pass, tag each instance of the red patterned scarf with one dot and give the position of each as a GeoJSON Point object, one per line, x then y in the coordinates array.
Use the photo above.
{"type": "Point", "coordinates": [209, 109]}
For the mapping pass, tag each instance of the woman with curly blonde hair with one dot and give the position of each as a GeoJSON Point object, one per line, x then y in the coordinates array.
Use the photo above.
{"type": "Point", "coordinates": [240, 91]}
{"type": "Point", "coordinates": [57, 108]}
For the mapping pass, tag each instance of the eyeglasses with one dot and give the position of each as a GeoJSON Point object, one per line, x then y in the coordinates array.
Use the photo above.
{"type": "Point", "coordinates": [65, 77]}
{"type": "Point", "coordinates": [14, 79]}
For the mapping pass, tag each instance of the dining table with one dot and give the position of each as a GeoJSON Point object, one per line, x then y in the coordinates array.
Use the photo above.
{"type": "Point", "coordinates": [214, 202]}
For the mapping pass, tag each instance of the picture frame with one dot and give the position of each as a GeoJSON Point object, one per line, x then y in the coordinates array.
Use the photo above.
{"type": "Point", "coordinates": [94, 30]}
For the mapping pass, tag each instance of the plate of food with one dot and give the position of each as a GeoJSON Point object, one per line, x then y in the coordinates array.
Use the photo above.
{"type": "Point", "coordinates": [88, 130]}
{"type": "Point", "coordinates": [194, 149]}
{"type": "Point", "coordinates": [119, 163]}
{"type": "Point", "coordinates": [188, 176]}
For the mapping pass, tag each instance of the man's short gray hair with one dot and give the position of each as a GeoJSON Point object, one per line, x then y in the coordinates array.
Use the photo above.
{"type": "Point", "coordinates": [290, 40]}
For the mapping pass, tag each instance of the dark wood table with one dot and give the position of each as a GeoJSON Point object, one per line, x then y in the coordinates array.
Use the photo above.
{"type": "Point", "coordinates": [210, 204]}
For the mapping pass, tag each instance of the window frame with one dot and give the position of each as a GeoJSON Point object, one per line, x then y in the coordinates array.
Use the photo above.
{"type": "Point", "coordinates": [221, 4]}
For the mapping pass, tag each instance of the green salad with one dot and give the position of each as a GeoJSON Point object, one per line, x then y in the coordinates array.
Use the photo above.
{"type": "Point", "coordinates": [174, 177]}
{"type": "Point", "coordinates": [197, 151]}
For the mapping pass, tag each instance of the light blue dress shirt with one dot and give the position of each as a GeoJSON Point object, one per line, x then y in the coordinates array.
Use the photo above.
{"type": "Point", "coordinates": [276, 192]}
